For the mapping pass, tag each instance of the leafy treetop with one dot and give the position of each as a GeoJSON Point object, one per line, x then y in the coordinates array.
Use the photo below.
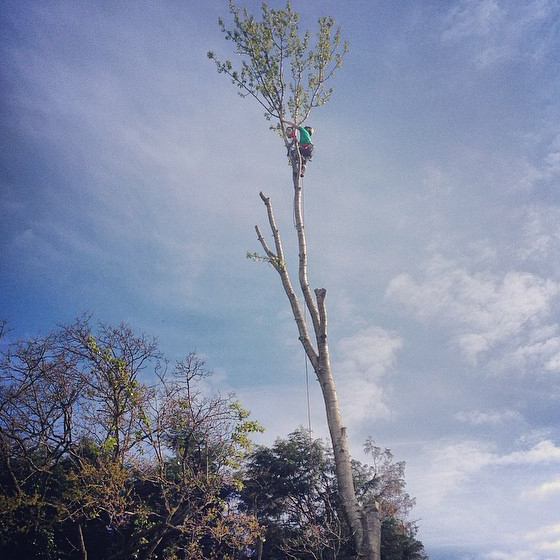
{"type": "Point", "coordinates": [281, 69]}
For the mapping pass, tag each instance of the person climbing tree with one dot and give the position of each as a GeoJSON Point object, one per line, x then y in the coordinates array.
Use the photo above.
{"type": "Point", "coordinates": [287, 75]}
{"type": "Point", "coordinates": [305, 144]}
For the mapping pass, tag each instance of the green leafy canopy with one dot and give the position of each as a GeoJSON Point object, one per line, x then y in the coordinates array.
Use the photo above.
{"type": "Point", "coordinates": [282, 69]}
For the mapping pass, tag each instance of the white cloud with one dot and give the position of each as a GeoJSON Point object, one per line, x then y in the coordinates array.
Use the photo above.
{"type": "Point", "coordinates": [534, 552]}
{"type": "Point", "coordinates": [497, 32]}
{"type": "Point", "coordinates": [544, 542]}
{"type": "Point", "coordinates": [472, 18]}
{"type": "Point", "coordinates": [362, 360]}
{"type": "Point", "coordinates": [540, 235]}
{"type": "Point", "coordinates": [543, 353]}
{"type": "Point", "coordinates": [542, 491]}
{"type": "Point", "coordinates": [452, 466]}
{"type": "Point", "coordinates": [436, 181]}
{"type": "Point", "coordinates": [545, 170]}
{"type": "Point", "coordinates": [477, 418]}
{"type": "Point", "coordinates": [548, 531]}
{"type": "Point", "coordinates": [485, 312]}
{"type": "Point", "coordinates": [469, 482]}
{"type": "Point", "coordinates": [543, 452]}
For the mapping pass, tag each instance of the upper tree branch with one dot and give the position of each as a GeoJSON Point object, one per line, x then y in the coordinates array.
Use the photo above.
{"type": "Point", "coordinates": [282, 270]}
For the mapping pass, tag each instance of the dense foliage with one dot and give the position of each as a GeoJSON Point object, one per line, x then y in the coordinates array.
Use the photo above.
{"type": "Point", "coordinates": [96, 463]}
{"type": "Point", "coordinates": [291, 488]}
{"type": "Point", "coordinates": [281, 68]}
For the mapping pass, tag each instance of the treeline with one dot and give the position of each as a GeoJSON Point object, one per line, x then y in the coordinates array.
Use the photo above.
{"type": "Point", "coordinates": [107, 452]}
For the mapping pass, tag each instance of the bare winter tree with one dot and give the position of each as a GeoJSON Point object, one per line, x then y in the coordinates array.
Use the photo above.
{"type": "Point", "coordinates": [95, 463]}
{"type": "Point", "coordinates": [287, 75]}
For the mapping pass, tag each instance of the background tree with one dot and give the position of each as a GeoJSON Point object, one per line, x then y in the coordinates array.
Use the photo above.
{"type": "Point", "coordinates": [99, 465]}
{"type": "Point", "coordinates": [194, 444]}
{"type": "Point", "coordinates": [287, 75]}
{"type": "Point", "coordinates": [291, 487]}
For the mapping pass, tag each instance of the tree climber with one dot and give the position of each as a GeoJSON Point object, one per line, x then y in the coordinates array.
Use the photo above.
{"type": "Point", "coordinates": [305, 144]}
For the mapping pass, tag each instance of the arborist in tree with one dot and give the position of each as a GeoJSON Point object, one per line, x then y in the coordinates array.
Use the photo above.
{"type": "Point", "coordinates": [305, 144]}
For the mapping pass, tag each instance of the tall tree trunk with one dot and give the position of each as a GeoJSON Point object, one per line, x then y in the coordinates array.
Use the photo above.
{"type": "Point", "coordinates": [82, 542]}
{"type": "Point", "coordinates": [259, 548]}
{"type": "Point", "coordinates": [154, 543]}
{"type": "Point", "coordinates": [364, 522]}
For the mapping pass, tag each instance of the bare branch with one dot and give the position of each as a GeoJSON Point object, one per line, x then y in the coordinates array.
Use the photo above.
{"type": "Point", "coordinates": [287, 284]}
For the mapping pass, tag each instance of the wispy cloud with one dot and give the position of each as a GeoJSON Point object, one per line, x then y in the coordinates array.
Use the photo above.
{"type": "Point", "coordinates": [478, 418]}
{"type": "Point", "coordinates": [472, 18]}
{"type": "Point", "coordinates": [497, 32]}
{"type": "Point", "coordinates": [547, 531]}
{"type": "Point", "coordinates": [452, 467]}
{"type": "Point", "coordinates": [540, 242]}
{"type": "Point", "coordinates": [484, 311]}
{"type": "Point", "coordinates": [541, 544]}
{"type": "Point", "coordinates": [491, 486]}
{"type": "Point", "coordinates": [543, 452]}
{"type": "Point", "coordinates": [544, 170]}
{"type": "Point", "coordinates": [544, 490]}
{"type": "Point", "coordinates": [363, 359]}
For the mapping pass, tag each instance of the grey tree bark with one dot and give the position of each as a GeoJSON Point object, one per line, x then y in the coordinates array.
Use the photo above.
{"type": "Point", "coordinates": [364, 520]}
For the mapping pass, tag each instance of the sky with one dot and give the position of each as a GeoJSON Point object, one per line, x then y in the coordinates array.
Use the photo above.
{"type": "Point", "coordinates": [130, 172]}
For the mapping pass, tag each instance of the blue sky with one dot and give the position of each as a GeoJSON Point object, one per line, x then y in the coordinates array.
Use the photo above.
{"type": "Point", "coordinates": [130, 173]}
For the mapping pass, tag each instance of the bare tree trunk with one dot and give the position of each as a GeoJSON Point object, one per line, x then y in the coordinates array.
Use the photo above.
{"type": "Point", "coordinates": [259, 549]}
{"type": "Point", "coordinates": [83, 548]}
{"type": "Point", "coordinates": [364, 522]}
{"type": "Point", "coordinates": [371, 520]}
{"type": "Point", "coordinates": [156, 539]}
